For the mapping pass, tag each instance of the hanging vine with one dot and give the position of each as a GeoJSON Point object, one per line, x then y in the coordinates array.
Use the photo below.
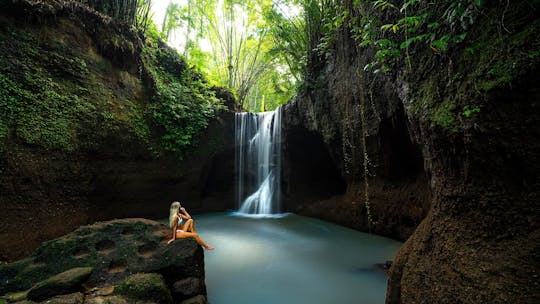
{"type": "Point", "coordinates": [365, 156]}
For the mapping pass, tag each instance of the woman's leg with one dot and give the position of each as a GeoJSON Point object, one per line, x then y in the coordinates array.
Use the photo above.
{"type": "Point", "coordinates": [189, 226]}
{"type": "Point", "coordinates": [183, 235]}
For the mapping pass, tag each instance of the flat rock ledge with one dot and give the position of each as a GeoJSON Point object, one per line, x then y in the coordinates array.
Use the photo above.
{"type": "Point", "coordinates": [119, 261]}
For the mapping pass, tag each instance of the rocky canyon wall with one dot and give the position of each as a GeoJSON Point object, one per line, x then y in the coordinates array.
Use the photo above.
{"type": "Point", "coordinates": [77, 141]}
{"type": "Point", "coordinates": [324, 155]}
{"type": "Point", "coordinates": [467, 179]}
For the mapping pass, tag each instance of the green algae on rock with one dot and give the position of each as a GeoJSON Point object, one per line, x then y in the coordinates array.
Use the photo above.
{"type": "Point", "coordinates": [62, 283]}
{"type": "Point", "coordinates": [129, 253]}
{"type": "Point", "coordinates": [145, 286]}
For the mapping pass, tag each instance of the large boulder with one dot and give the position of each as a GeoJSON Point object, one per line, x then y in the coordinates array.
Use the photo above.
{"type": "Point", "coordinates": [98, 258]}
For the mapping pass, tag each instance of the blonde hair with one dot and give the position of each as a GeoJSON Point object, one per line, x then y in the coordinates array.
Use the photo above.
{"type": "Point", "coordinates": [175, 206]}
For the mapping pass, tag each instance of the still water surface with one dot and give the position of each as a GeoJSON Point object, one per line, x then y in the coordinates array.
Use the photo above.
{"type": "Point", "coordinates": [291, 260]}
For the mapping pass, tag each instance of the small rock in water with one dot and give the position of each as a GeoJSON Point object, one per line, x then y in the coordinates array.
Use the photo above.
{"type": "Point", "coordinates": [384, 266]}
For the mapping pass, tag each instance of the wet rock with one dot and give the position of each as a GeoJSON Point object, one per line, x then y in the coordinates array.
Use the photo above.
{"type": "Point", "coordinates": [74, 298]}
{"type": "Point", "coordinates": [188, 287]}
{"type": "Point", "coordinates": [107, 299]}
{"type": "Point", "coordinates": [145, 286]}
{"type": "Point", "coordinates": [59, 284]}
{"type": "Point", "coordinates": [15, 296]}
{"type": "Point", "coordinates": [200, 299]}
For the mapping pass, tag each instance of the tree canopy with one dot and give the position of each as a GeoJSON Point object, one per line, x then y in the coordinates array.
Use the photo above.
{"type": "Point", "coordinates": [256, 48]}
{"type": "Point", "coordinates": [237, 44]}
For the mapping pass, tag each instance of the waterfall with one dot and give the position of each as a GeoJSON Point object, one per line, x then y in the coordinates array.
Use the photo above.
{"type": "Point", "coordinates": [258, 162]}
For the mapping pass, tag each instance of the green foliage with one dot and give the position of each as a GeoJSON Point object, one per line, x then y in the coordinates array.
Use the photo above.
{"type": "Point", "coordinates": [444, 115]}
{"type": "Point", "coordinates": [501, 60]}
{"type": "Point", "coordinates": [132, 12]}
{"type": "Point", "coordinates": [230, 43]}
{"type": "Point", "coordinates": [290, 39]}
{"type": "Point", "coordinates": [468, 110]}
{"type": "Point", "coordinates": [51, 95]}
{"type": "Point", "coordinates": [57, 95]}
{"type": "Point", "coordinates": [38, 108]}
{"type": "Point", "coordinates": [333, 17]}
{"type": "Point", "coordinates": [172, 19]}
{"type": "Point", "coordinates": [183, 102]}
{"type": "Point", "coordinates": [409, 30]}
{"type": "Point", "coordinates": [533, 54]}
{"type": "Point", "coordinates": [383, 5]}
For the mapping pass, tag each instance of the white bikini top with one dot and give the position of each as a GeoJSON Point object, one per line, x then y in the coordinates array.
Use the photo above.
{"type": "Point", "coordinates": [180, 220]}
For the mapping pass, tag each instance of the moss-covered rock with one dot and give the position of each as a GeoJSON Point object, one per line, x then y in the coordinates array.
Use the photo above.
{"type": "Point", "coordinates": [14, 296]}
{"type": "Point", "coordinates": [145, 286]}
{"type": "Point", "coordinates": [111, 251]}
{"type": "Point", "coordinates": [73, 298]}
{"type": "Point", "coordinates": [62, 283]}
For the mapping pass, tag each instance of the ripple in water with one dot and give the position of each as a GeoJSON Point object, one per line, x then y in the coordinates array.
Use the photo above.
{"type": "Point", "coordinates": [292, 259]}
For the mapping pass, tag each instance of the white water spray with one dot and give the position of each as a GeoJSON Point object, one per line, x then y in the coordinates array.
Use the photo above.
{"type": "Point", "coordinates": [258, 162]}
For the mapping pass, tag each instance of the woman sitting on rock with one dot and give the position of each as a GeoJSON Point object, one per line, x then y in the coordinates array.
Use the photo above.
{"type": "Point", "coordinates": [183, 225]}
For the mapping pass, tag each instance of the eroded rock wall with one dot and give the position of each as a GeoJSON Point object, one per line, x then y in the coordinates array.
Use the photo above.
{"type": "Point", "coordinates": [467, 179]}
{"type": "Point", "coordinates": [324, 155]}
{"type": "Point", "coordinates": [85, 148]}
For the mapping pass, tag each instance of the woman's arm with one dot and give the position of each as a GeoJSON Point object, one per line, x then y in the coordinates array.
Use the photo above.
{"type": "Point", "coordinates": [175, 225]}
{"type": "Point", "coordinates": [185, 215]}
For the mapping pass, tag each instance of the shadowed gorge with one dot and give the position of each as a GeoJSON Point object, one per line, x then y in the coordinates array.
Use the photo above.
{"type": "Point", "coordinates": [310, 174]}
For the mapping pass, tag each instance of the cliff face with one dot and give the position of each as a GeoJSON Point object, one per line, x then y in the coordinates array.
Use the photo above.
{"type": "Point", "coordinates": [466, 178]}
{"type": "Point", "coordinates": [324, 155]}
{"type": "Point", "coordinates": [80, 139]}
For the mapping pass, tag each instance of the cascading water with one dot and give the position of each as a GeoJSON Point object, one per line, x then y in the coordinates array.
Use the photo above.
{"type": "Point", "coordinates": [258, 162]}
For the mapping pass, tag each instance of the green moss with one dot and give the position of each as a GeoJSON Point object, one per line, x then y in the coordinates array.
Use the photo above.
{"type": "Point", "coordinates": [498, 58]}
{"type": "Point", "coordinates": [60, 94]}
{"type": "Point", "coordinates": [8, 276]}
{"type": "Point", "coordinates": [16, 296]}
{"type": "Point", "coordinates": [492, 58]}
{"type": "Point", "coordinates": [51, 258]}
{"type": "Point", "coordinates": [444, 115]}
{"type": "Point", "coordinates": [3, 129]}
{"type": "Point", "coordinates": [62, 282]}
{"type": "Point", "coordinates": [183, 102]}
{"type": "Point", "coordinates": [145, 286]}
{"type": "Point", "coordinates": [41, 109]}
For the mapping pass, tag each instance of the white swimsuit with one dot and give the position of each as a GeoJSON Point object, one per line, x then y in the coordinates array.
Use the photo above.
{"type": "Point", "coordinates": [180, 220]}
